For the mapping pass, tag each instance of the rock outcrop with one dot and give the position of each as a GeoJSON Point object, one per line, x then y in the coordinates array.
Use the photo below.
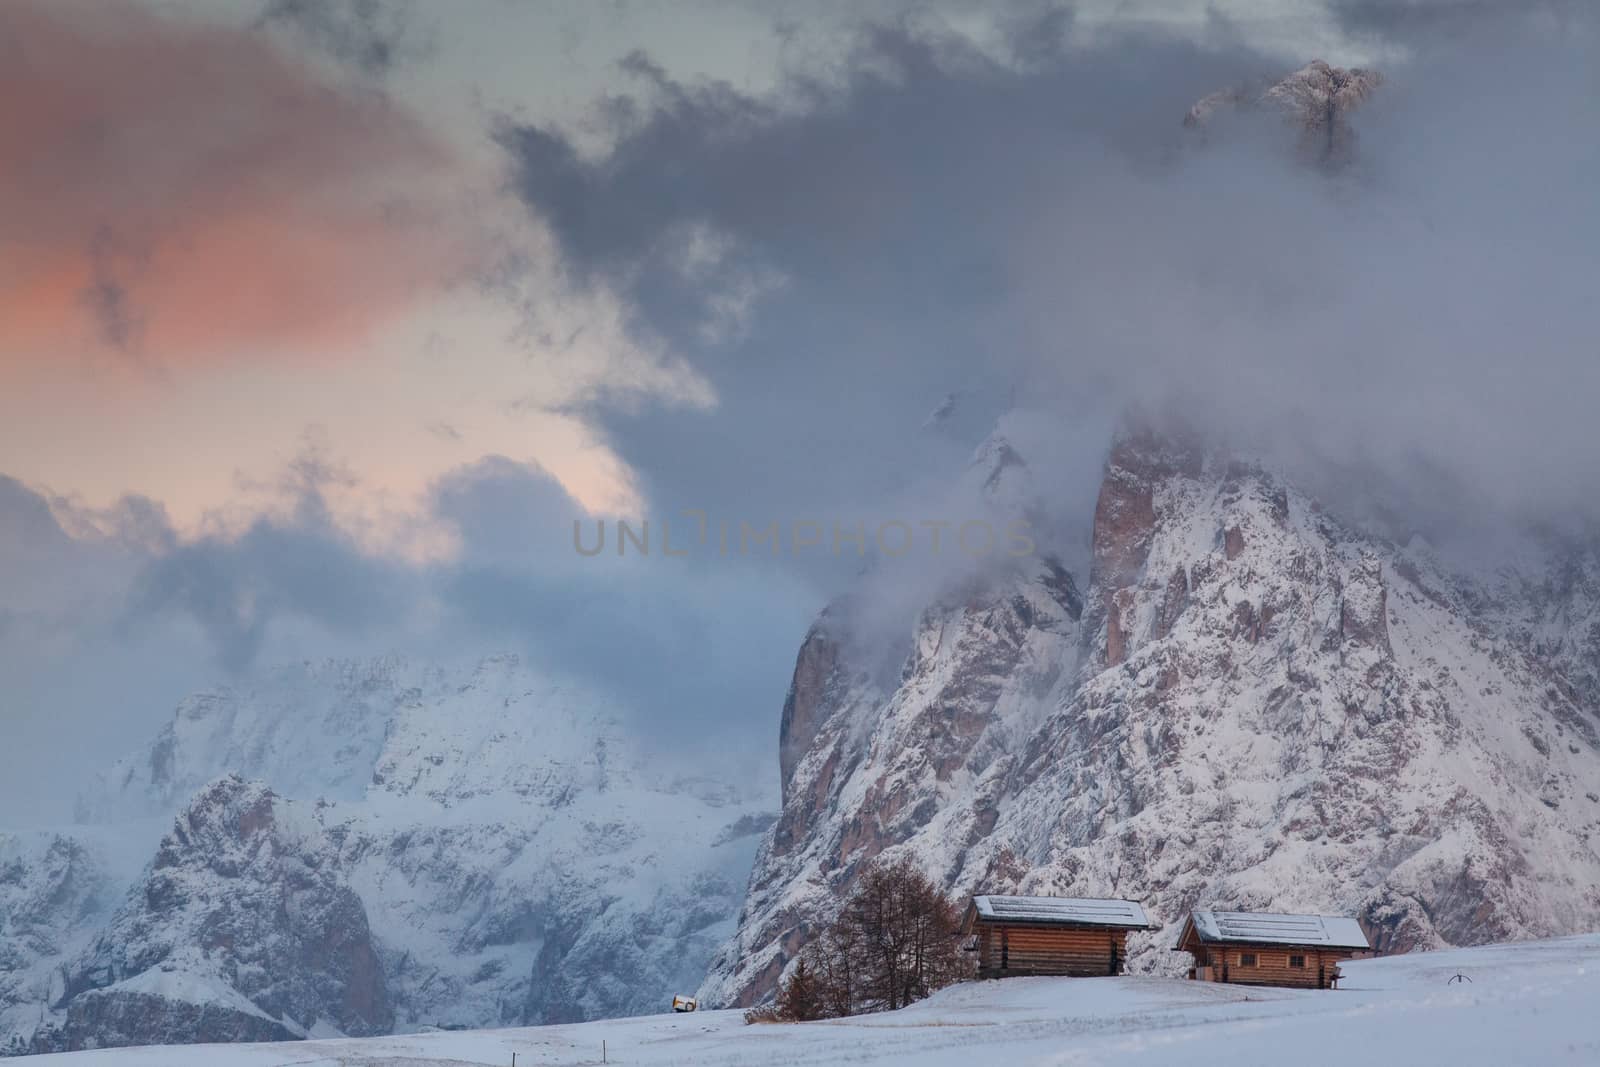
{"type": "Point", "coordinates": [56, 891]}
{"type": "Point", "coordinates": [245, 927]}
{"type": "Point", "coordinates": [461, 846]}
{"type": "Point", "coordinates": [1317, 99]}
{"type": "Point", "coordinates": [1253, 705]}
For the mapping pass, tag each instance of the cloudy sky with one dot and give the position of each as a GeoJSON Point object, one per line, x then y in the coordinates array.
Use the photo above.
{"type": "Point", "coordinates": [321, 322]}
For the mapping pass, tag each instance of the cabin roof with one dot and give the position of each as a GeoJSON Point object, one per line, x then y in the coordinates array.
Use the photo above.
{"type": "Point", "coordinates": [1334, 931]}
{"type": "Point", "coordinates": [1064, 911]}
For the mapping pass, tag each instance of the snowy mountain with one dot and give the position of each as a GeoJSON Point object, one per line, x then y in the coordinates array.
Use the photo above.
{"type": "Point", "coordinates": [1526, 1003]}
{"type": "Point", "coordinates": [245, 928]}
{"type": "Point", "coordinates": [56, 889]}
{"type": "Point", "coordinates": [374, 845]}
{"type": "Point", "coordinates": [1235, 698]}
{"type": "Point", "coordinates": [1251, 704]}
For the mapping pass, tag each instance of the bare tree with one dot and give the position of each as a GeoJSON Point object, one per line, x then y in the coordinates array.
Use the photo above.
{"type": "Point", "coordinates": [896, 940]}
{"type": "Point", "coordinates": [909, 931]}
{"type": "Point", "coordinates": [838, 955]}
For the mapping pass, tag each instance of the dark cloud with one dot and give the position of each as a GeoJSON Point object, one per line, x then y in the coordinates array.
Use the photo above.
{"type": "Point", "coordinates": [1429, 23]}
{"type": "Point", "coordinates": [78, 688]}
{"type": "Point", "coordinates": [930, 219]}
{"type": "Point", "coordinates": [26, 524]}
{"type": "Point", "coordinates": [1032, 234]}
{"type": "Point", "coordinates": [370, 35]}
{"type": "Point", "coordinates": [697, 649]}
{"type": "Point", "coordinates": [110, 615]}
{"type": "Point", "coordinates": [295, 567]}
{"type": "Point", "coordinates": [863, 229]}
{"type": "Point", "coordinates": [236, 588]}
{"type": "Point", "coordinates": [107, 294]}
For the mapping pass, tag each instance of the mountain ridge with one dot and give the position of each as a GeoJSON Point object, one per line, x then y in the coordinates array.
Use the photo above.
{"type": "Point", "coordinates": [1265, 708]}
{"type": "Point", "coordinates": [517, 857]}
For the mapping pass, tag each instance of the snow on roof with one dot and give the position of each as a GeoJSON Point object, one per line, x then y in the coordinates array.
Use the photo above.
{"type": "Point", "coordinates": [1332, 930]}
{"type": "Point", "coordinates": [1083, 910]}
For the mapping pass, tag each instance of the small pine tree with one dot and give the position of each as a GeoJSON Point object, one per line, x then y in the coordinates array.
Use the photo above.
{"type": "Point", "coordinates": [799, 1000]}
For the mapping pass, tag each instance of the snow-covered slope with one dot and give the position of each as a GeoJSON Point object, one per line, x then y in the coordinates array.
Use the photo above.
{"type": "Point", "coordinates": [57, 888]}
{"type": "Point", "coordinates": [310, 729]}
{"type": "Point", "coordinates": [516, 855]}
{"type": "Point", "coordinates": [1252, 705]}
{"type": "Point", "coordinates": [1547, 599]}
{"type": "Point", "coordinates": [244, 928]}
{"type": "Point", "coordinates": [1525, 1003]}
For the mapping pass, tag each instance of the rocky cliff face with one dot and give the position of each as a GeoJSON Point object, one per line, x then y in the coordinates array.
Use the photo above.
{"type": "Point", "coordinates": [468, 846]}
{"type": "Point", "coordinates": [922, 761]}
{"type": "Point", "coordinates": [526, 861]}
{"type": "Point", "coordinates": [55, 891]}
{"type": "Point", "coordinates": [245, 927]}
{"type": "Point", "coordinates": [1253, 705]}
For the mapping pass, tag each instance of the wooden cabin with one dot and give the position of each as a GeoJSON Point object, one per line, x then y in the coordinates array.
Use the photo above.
{"type": "Point", "coordinates": [1050, 935]}
{"type": "Point", "coordinates": [1255, 948]}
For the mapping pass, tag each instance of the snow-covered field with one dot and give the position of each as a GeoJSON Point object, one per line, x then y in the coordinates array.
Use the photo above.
{"type": "Point", "coordinates": [1528, 1003]}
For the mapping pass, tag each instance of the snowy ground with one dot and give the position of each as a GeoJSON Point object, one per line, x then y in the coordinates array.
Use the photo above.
{"type": "Point", "coordinates": [1529, 1003]}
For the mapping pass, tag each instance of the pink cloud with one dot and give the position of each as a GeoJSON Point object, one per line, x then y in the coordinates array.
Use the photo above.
{"type": "Point", "coordinates": [188, 193]}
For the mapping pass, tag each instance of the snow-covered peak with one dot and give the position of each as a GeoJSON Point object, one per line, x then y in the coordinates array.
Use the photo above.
{"type": "Point", "coordinates": [244, 927]}
{"type": "Point", "coordinates": [1254, 705]}
{"type": "Point", "coordinates": [514, 851]}
{"type": "Point", "coordinates": [1318, 99]}
{"type": "Point", "coordinates": [340, 729]}
{"type": "Point", "coordinates": [1000, 475]}
{"type": "Point", "coordinates": [1318, 90]}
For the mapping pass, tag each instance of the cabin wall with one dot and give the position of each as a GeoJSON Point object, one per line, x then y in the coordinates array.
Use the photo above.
{"type": "Point", "coordinates": [1021, 950]}
{"type": "Point", "coordinates": [1226, 963]}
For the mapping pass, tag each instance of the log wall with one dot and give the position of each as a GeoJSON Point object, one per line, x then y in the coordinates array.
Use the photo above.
{"type": "Point", "coordinates": [1226, 963]}
{"type": "Point", "coordinates": [1076, 951]}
